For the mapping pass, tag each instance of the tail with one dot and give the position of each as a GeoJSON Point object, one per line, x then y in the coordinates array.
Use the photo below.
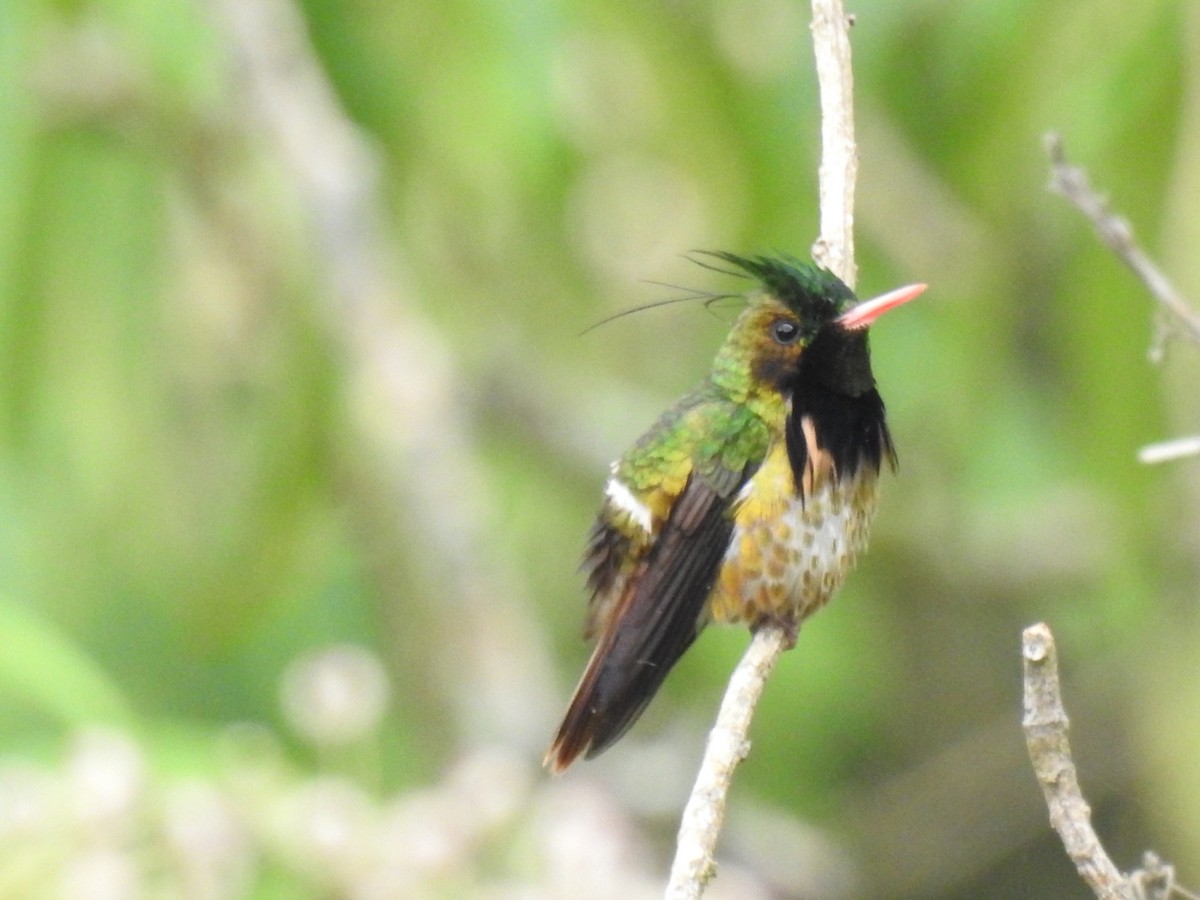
{"type": "Point", "coordinates": [663, 609]}
{"type": "Point", "coordinates": [620, 680]}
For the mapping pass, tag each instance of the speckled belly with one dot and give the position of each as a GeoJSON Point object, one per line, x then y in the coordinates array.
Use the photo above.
{"type": "Point", "coordinates": [787, 557]}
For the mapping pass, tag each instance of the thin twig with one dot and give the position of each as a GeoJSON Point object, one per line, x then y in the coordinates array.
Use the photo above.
{"type": "Point", "coordinates": [1072, 182]}
{"type": "Point", "coordinates": [1177, 315]}
{"type": "Point", "coordinates": [1168, 451]}
{"type": "Point", "coordinates": [727, 746]}
{"type": "Point", "coordinates": [728, 742]}
{"type": "Point", "coordinates": [1045, 724]}
{"type": "Point", "coordinates": [1155, 880]}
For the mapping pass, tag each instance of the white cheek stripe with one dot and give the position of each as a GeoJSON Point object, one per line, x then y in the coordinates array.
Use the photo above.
{"type": "Point", "coordinates": [622, 498]}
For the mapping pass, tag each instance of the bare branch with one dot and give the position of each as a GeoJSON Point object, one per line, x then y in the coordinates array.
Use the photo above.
{"type": "Point", "coordinates": [728, 742]}
{"type": "Point", "coordinates": [1115, 231]}
{"type": "Point", "coordinates": [1045, 724]}
{"type": "Point", "coordinates": [727, 746]}
{"type": "Point", "coordinates": [834, 248]}
{"type": "Point", "coordinates": [1176, 314]}
{"type": "Point", "coordinates": [1045, 721]}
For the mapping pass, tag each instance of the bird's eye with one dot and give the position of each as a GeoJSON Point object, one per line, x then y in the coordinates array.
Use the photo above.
{"type": "Point", "coordinates": [785, 332]}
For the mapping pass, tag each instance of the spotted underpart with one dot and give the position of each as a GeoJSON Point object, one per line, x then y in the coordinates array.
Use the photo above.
{"type": "Point", "coordinates": [789, 551]}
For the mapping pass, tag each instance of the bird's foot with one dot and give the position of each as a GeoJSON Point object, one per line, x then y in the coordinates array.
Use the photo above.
{"type": "Point", "coordinates": [789, 625]}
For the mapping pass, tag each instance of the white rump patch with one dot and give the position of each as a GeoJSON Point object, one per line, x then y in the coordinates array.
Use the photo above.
{"type": "Point", "coordinates": [622, 498]}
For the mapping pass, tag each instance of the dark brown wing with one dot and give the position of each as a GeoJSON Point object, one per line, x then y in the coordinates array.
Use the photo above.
{"type": "Point", "coordinates": [656, 620]}
{"type": "Point", "coordinates": [607, 554]}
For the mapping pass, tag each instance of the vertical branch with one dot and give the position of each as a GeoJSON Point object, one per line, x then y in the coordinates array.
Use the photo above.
{"type": "Point", "coordinates": [834, 248]}
{"type": "Point", "coordinates": [728, 744]}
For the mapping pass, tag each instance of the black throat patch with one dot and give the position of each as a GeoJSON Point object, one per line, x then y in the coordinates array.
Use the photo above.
{"type": "Point", "coordinates": [835, 390]}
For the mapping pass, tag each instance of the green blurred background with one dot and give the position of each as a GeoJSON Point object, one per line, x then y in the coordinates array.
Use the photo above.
{"type": "Point", "coordinates": [299, 440]}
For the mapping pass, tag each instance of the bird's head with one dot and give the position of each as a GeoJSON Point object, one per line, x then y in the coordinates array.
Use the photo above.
{"type": "Point", "coordinates": [803, 325]}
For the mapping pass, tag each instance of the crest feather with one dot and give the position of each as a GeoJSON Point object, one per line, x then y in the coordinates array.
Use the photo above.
{"type": "Point", "coordinates": [813, 293]}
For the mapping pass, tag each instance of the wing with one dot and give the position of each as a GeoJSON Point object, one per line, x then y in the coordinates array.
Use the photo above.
{"type": "Point", "coordinates": [660, 611]}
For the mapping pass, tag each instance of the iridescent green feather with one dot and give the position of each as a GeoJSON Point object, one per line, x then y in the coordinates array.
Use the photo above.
{"type": "Point", "coordinates": [706, 432]}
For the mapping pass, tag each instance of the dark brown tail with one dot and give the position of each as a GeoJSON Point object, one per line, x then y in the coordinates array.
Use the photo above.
{"type": "Point", "coordinates": [620, 680]}
{"type": "Point", "coordinates": [662, 612]}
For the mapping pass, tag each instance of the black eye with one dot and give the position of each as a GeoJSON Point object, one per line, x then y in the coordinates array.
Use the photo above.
{"type": "Point", "coordinates": [785, 332]}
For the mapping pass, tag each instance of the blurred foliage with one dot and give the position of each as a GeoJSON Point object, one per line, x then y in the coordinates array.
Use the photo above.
{"type": "Point", "coordinates": [202, 485]}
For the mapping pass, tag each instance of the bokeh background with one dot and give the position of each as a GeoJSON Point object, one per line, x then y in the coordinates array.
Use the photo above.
{"type": "Point", "coordinates": [300, 440]}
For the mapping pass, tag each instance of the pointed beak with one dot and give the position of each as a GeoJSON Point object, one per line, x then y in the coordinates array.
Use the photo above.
{"type": "Point", "coordinates": [869, 310]}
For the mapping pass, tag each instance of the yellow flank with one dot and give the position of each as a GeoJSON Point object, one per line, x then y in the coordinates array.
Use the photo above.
{"type": "Point", "coordinates": [769, 491]}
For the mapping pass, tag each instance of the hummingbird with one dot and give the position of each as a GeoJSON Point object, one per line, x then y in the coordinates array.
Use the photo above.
{"type": "Point", "coordinates": [747, 501]}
